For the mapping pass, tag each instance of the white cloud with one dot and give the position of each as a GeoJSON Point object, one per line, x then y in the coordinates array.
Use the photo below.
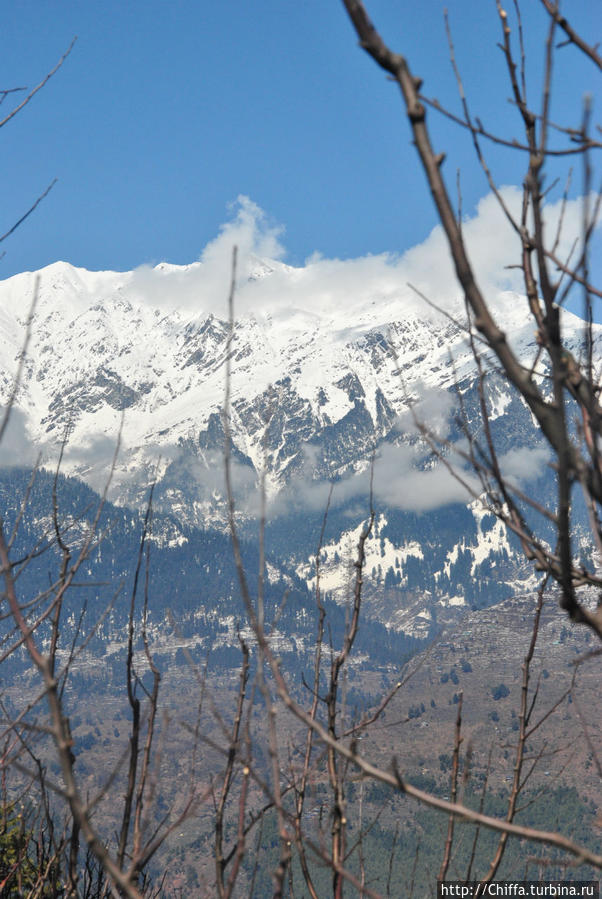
{"type": "Point", "coordinates": [16, 448]}
{"type": "Point", "coordinates": [492, 245]}
{"type": "Point", "coordinates": [204, 284]}
{"type": "Point", "coordinates": [251, 232]}
{"type": "Point", "coordinates": [524, 463]}
{"type": "Point", "coordinates": [325, 285]}
{"type": "Point", "coordinates": [399, 482]}
{"type": "Point", "coordinates": [433, 410]}
{"type": "Point", "coordinates": [406, 477]}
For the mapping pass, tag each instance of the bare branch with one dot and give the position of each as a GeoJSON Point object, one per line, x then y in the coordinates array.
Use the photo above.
{"type": "Point", "coordinates": [39, 86]}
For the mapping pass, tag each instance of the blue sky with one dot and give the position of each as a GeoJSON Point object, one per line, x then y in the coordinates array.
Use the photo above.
{"type": "Point", "coordinates": [166, 112]}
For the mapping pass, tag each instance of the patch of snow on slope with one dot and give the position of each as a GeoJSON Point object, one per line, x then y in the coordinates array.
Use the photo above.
{"type": "Point", "coordinates": [490, 540]}
{"type": "Point", "coordinates": [493, 540]}
{"type": "Point", "coordinates": [337, 560]}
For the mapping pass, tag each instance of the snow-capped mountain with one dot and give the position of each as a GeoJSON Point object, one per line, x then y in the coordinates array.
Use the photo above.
{"type": "Point", "coordinates": [100, 348]}
{"type": "Point", "coordinates": [317, 386]}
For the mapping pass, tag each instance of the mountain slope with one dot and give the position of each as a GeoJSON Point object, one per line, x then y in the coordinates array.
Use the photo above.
{"type": "Point", "coordinates": [317, 387]}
